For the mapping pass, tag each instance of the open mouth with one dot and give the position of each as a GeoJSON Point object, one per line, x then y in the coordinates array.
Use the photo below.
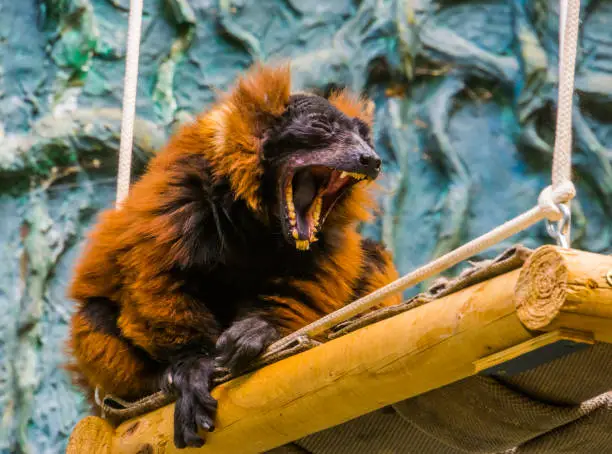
{"type": "Point", "coordinates": [309, 195]}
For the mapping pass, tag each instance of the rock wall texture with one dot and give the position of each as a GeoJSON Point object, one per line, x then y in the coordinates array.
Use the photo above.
{"type": "Point", "coordinates": [465, 96]}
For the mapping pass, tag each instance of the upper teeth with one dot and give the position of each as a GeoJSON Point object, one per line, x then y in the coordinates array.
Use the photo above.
{"type": "Point", "coordinates": [290, 206]}
{"type": "Point", "coordinates": [316, 210]}
{"type": "Point", "coordinates": [357, 176]}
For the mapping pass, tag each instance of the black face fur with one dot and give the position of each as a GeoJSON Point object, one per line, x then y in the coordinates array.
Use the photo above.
{"type": "Point", "coordinates": [313, 155]}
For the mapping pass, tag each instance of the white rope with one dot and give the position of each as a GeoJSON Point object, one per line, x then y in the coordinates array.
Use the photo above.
{"type": "Point", "coordinates": [569, 24]}
{"type": "Point", "coordinates": [129, 100]}
{"type": "Point", "coordinates": [562, 22]}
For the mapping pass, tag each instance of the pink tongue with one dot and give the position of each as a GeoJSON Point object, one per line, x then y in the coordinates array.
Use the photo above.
{"type": "Point", "coordinates": [304, 192]}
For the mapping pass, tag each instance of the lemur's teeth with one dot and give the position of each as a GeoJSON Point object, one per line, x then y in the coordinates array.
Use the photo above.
{"type": "Point", "coordinates": [295, 234]}
{"type": "Point", "coordinates": [356, 176]}
{"type": "Point", "coordinates": [302, 245]}
{"type": "Point", "coordinates": [316, 211]}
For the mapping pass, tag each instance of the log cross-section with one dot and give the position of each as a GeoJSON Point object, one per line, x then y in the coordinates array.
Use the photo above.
{"type": "Point", "coordinates": [565, 287]}
{"type": "Point", "coordinates": [392, 360]}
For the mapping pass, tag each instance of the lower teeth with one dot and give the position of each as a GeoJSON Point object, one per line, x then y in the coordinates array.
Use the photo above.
{"type": "Point", "coordinates": [302, 245]}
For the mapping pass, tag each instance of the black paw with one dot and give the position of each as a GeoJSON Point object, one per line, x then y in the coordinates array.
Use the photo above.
{"type": "Point", "coordinates": [244, 341]}
{"type": "Point", "coordinates": [195, 408]}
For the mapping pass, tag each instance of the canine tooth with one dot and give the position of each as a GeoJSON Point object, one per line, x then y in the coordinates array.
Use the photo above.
{"type": "Point", "coordinates": [316, 210]}
{"type": "Point", "coordinates": [356, 176]}
{"type": "Point", "coordinates": [302, 245]}
{"type": "Point", "coordinates": [295, 234]}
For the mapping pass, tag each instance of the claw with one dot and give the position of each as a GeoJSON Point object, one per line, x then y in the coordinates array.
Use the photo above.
{"type": "Point", "coordinates": [243, 342]}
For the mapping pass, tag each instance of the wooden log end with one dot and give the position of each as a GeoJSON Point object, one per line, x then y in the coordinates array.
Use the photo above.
{"type": "Point", "coordinates": [91, 435]}
{"type": "Point", "coordinates": [541, 288]}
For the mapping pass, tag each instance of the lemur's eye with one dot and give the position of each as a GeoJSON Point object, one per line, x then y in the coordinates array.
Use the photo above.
{"type": "Point", "coordinates": [362, 128]}
{"type": "Point", "coordinates": [322, 127]}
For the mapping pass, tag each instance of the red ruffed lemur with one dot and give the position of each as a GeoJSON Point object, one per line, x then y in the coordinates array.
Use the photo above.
{"type": "Point", "coordinates": [242, 230]}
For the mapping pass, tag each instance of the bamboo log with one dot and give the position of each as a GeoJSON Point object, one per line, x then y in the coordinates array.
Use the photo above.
{"type": "Point", "coordinates": [392, 360]}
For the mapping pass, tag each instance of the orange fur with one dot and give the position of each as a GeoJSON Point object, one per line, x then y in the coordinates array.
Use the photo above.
{"type": "Point", "coordinates": [107, 362]}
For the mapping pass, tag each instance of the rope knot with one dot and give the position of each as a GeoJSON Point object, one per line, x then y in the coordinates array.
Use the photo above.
{"type": "Point", "coordinates": [550, 199]}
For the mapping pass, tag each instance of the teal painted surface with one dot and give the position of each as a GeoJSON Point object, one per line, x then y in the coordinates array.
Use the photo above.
{"type": "Point", "coordinates": [464, 94]}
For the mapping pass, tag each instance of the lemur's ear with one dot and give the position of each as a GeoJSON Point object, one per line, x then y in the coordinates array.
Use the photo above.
{"type": "Point", "coordinates": [330, 89]}
{"type": "Point", "coordinates": [261, 95]}
{"type": "Point", "coordinates": [352, 105]}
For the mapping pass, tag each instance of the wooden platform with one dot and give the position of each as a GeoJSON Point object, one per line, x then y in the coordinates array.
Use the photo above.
{"type": "Point", "coordinates": [558, 301]}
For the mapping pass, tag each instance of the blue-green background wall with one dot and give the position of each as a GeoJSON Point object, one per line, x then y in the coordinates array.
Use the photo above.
{"type": "Point", "coordinates": [465, 96]}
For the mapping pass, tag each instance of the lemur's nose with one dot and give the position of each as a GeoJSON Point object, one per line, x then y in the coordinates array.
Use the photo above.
{"type": "Point", "coordinates": [371, 162]}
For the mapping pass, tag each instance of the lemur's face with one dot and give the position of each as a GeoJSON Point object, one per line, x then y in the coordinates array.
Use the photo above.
{"type": "Point", "coordinates": [316, 154]}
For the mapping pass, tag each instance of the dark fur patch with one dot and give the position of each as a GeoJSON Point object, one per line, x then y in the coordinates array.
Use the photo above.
{"type": "Point", "coordinates": [192, 208]}
{"type": "Point", "coordinates": [373, 259]}
{"type": "Point", "coordinates": [374, 253]}
{"type": "Point", "coordinates": [102, 315]}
